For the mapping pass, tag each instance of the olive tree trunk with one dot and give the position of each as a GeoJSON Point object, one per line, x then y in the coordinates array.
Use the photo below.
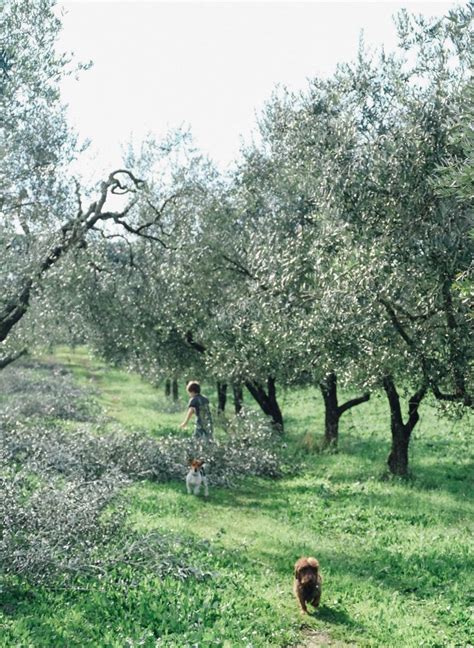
{"type": "Point", "coordinates": [221, 396]}
{"type": "Point", "coordinates": [334, 411]}
{"type": "Point", "coordinates": [401, 432]}
{"type": "Point", "coordinates": [174, 389]}
{"type": "Point", "coordinates": [267, 400]}
{"type": "Point", "coordinates": [238, 397]}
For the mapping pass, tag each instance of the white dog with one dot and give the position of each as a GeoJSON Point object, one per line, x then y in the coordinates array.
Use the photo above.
{"type": "Point", "coordinates": [195, 477]}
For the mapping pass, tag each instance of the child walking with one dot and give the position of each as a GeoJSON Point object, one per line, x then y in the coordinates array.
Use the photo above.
{"type": "Point", "coordinates": [198, 406]}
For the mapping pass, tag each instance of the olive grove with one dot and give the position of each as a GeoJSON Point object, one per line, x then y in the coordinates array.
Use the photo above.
{"type": "Point", "coordinates": [337, 252]}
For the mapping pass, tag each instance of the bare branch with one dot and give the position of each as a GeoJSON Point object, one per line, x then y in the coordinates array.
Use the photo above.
{"type": "Point", "coordinates": [70, 234]}
{"type": "Point", "coordinates": [159, 211]}
{"type": "Point", "coordinates": [241, 269]}
{"type": "Point", "coordinates": [118, 188]}
{"type": "Point", "coordinates": [396, 322]}
{"type": "Point", "coordinates": [138, 231]}
{"type": "Point", "coordinates": [78, 196]}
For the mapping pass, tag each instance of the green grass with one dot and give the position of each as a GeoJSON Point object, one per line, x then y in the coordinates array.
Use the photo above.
{"type": "Point", "coordinates": [125, 398]}
{"type": "Point", "coordinates": [395, 555]}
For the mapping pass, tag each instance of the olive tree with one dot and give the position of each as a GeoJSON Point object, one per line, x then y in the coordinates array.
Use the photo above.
{"type": "Point", "coordinates": [410, 243]}
{"type": "Point", "coordinates": [44, 212]}
{"type": "Point", "coordinates": [347, 169]}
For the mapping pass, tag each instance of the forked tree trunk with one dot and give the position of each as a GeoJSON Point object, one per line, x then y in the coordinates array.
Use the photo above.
{"type": "Point", "coordinates": [334, 411]}
{"type": "Point", "coordinates": [167, 387]}
{"type": "Point", "coordinates": [267, 400]}
{"type": "Point", "coordinates": [398, 457]}
{"type": "Point", "coordinates": [221, 396]}
{"type": "Point", "coordinates": [174, 389]}
{"type": "Point", "coordinates": [238, 397]}
{"type": "Point", "coordinates": [401, 432]}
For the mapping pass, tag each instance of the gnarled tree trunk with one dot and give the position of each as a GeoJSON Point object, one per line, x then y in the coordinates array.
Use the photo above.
{"type": "Point", "coordinates": [167, 387]}
{"type": "Point", "coordinates": [334, 411]}
{"type": "Point", "coordinates": [401, 432]}
{"type": "Point", "coordinates": [267, 400]}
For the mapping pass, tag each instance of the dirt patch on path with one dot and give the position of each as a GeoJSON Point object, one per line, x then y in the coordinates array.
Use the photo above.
{"type": "Point", "coordinates": [318, 639]}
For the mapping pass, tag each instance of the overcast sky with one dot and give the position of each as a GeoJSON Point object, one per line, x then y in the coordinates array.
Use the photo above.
{"type": "Point", "coordinates": [206, 65]}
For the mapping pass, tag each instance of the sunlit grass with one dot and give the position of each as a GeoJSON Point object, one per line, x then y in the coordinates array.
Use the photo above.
{"type": "Point", "coordinates": [124, 397]}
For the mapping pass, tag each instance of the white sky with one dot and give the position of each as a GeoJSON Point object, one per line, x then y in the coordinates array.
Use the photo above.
{"type": "Point", "coordinates": [207, 65]}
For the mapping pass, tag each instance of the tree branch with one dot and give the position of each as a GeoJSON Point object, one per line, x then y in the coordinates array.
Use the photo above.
{"type": "Point", "coordinates": [14, 311]}
{"type": "Point", "coordinates": [396, 322]}
{"type": "Point", "coordinates": [4, 362]}
{"type": "Point", "coordinates": [413, 405]}
{"type": "Point", "coordinates": [352, 403]}
{"type": "Point", "coordinates": [70, 234]}
{"type": "Point", "coordinates": [193, 344]}
{"type": "Point", "coordinates": [461, 394]}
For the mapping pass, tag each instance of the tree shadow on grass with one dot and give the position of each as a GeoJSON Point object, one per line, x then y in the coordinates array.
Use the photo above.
{"type": "Point", "coordinates": [14, 595]}
{"type": "Point", "coordinates": [434, 463]}
{"type": "Point", "coordinates": [336, 616]}
{"type": "Point", "coordinates": [418, 575]}
{"type": "Point", "coordinates": [428, 470]}
{"type": "Point", "coordinates": [455, 479]}
{"type": "Point", "coordinates": [278, 499]}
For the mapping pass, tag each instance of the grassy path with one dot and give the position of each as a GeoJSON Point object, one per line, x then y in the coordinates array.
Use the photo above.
{"type": "Point", "coordinates": [395, 556]}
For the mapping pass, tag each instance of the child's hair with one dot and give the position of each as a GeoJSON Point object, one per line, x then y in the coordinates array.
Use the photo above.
{"type": "Point", "coordinates": [193, 386]}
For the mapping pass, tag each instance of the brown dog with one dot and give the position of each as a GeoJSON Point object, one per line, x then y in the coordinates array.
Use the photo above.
{"type": "Point", "coordinates": [308, 581]}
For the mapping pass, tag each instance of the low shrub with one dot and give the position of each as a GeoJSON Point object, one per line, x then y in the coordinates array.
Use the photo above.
{"type": "Point", "coordinates": [34, 389]}
{"type": "Point", "coordinates": [249, 448]}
